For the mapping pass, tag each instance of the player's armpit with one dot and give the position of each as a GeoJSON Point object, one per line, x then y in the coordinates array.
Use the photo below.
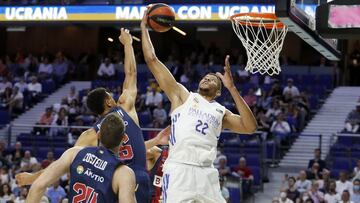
{"type": "Point", "coordinates": [128, 105]}
{"type": "Point", "coordinates": [124, 184]}
{"type": "Point", "coordinates": [183, 93]}
{"type": "Point", "coordinates": [87, 138]}
{"type": "Point", "coordinates": [236, 123]}
{"type": "Point", "coordinates": [51, 174]}
{"type": "Point", "coordinates": [25, 178]}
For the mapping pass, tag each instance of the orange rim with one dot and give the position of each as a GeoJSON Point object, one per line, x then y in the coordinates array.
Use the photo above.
{"type": "Point", "coordinates": [255, 20]}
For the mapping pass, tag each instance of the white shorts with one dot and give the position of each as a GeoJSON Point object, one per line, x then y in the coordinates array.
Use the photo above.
{"type": "Point", "coordinates": [190, 184]}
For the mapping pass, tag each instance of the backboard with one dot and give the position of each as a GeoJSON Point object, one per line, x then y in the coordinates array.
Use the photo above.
{"type": "Point", "coordinates": [299, 16]}
{"type": "Point", "coordinates": [339, 19]}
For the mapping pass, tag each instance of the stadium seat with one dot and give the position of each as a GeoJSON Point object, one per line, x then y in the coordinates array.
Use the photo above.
{"type": "Point", "coordinates": [257, 175]}
{"type": "Point", "coordinates": [41, 152]}
{"type": "Point", "coordinates": [341, 164]}
{"type": "Point", "coordinates": [326, 80]}
{"type": "Point", "coordinates": [314, 102]}
{"type": "Point", "coordinates": [4, 117]}
{"type": "Point", "coordinates": [233, 150]}
{"type": "Point", "coordinates": [253, 160]}
{"type": "Point", "coordinates": [266, 87]}
{"type": "Point", "coordinates": [31, 149]}
{"type": "Point", "coordinates": [354, 162]}
{"type": "Point", "coordinates": [345, 140]}
{"type": "Point", "coordinates": [336, 153]}
{"type": "Point", "coordinates": [232, 159]}
{"type": "Point", "coordinates": [270, 149]}
{"type": "Point", "coordinates": [142, 77]}
{"type": "Point", "coordinates": [355, 154]}
{"type": "Point", "coordinates": [308, 79]}
{"type": "Point", "coordinates": [58, 152]}
{"type": "Point", "coordinates": [82, 93]}
{"type": "Point", "coordinates": [48, 86]}
{"type": "Point", "coordinates": [247, 150]}
{"type": "Point", "coordinates": [143, 87]}
{"type": "Point", "coordinates": [232, 143]}
{"type": "Point", "coordinates": [234, 195]}
{"type": "Point", "coordinates": [145, 119]}
{"type": "Point", "coordinates": [120, 76]}
{"type": "Point", "coordinates": [334, 173]}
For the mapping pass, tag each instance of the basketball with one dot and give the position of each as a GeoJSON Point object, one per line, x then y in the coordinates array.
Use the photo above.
{"type": "Point", "coordinates": [161, 17]}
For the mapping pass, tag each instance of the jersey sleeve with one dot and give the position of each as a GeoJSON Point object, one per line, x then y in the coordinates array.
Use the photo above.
{"type": "Point", "coordinates": [97, 125]}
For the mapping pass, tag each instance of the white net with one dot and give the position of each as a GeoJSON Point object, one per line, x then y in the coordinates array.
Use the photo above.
{"type": "Point", "coordinates": [263, 41]}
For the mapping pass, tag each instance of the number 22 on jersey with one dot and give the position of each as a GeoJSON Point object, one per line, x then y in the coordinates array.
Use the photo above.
{"type": "Point", "coordinates": [201, 127]}
{"type": "Point", "coordinates": [85, 194]}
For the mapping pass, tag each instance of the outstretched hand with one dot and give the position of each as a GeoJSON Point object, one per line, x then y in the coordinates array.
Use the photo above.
{"type": "Point", "coordinates": [226, 78]}
{"type": "Point", "coordinates": [125, 37]}
{"type": "Point", "coordinates": [24, 179]}
{"type": "Point", "coordinates": [162, 137]}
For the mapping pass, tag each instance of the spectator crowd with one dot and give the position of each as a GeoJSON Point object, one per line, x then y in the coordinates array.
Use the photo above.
{"type": "Point", "coordinates": [315, 185]}
{"type": "Point", "coordinates": [22, 79]}
{"type": "Point", "coordinates": [14, 160]}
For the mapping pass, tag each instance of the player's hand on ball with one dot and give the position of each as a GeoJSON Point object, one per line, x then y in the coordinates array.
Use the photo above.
{"type": "Point", "coordinates": [226, 78]}
{"type": "Point", "coordinates": [24, 179]}
{"type": "Point", "coordinates": [125, 36]}
{"type": "Point", "coordinates": [145, 17]}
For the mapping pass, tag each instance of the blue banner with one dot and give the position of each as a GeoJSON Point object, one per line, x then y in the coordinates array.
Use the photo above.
{"type": "Point", "coordinates": [203, 12]}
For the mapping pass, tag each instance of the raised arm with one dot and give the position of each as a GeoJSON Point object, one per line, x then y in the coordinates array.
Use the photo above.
{"type": "Point", "coordinates": [124, 184]}
{"type": "Point", "coordinates": [244, 123]}
{"type": "Point", "coordinates": [174, 91]}
{"type": "Point", "coordinates": [162, 138]}
{"type": "Point", "coordinates": [51, 174]}
{"type": "Point", "coordinates": [128, 97]}
{"type": "Point", "coordinates": [87, 138]}
{"type": "Point", "coordinates": [26, 178]}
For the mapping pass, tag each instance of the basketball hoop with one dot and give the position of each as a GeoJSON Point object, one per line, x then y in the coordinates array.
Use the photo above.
{"type": "Point", "coordinates": [262, 35]}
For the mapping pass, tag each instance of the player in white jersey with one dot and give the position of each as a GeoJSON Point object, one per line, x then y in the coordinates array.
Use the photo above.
{"type": "Point", "coordinates": [196, 124]}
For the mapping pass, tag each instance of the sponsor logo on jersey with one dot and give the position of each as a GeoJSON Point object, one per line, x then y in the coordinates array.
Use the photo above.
{"type": "Point", "coordinates": [220, 111]}
{"type": "Point", "coordinates": [205, 116]}
{"type": "Point", "coordinates": [94, 176]}
{"type": "Point", "coordinates": [80, 169]}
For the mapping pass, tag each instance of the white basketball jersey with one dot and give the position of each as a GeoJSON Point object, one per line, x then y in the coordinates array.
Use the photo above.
{"type": "Point", "coordinates": [195, 129]}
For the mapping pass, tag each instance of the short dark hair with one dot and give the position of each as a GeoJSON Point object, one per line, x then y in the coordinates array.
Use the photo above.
{"type": "Point", "coordinates": [96, 99]}
{"type": "Point", "coordinates": [292, 178]}
{"type": "Point", "coordinates": [309, 200]}
{"type": "Point", "coordinates": [357, 180]}
{"type": "Point", "coordinates": [112, 130]}
{"type": "Point", "coordinates": [219, 81]}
